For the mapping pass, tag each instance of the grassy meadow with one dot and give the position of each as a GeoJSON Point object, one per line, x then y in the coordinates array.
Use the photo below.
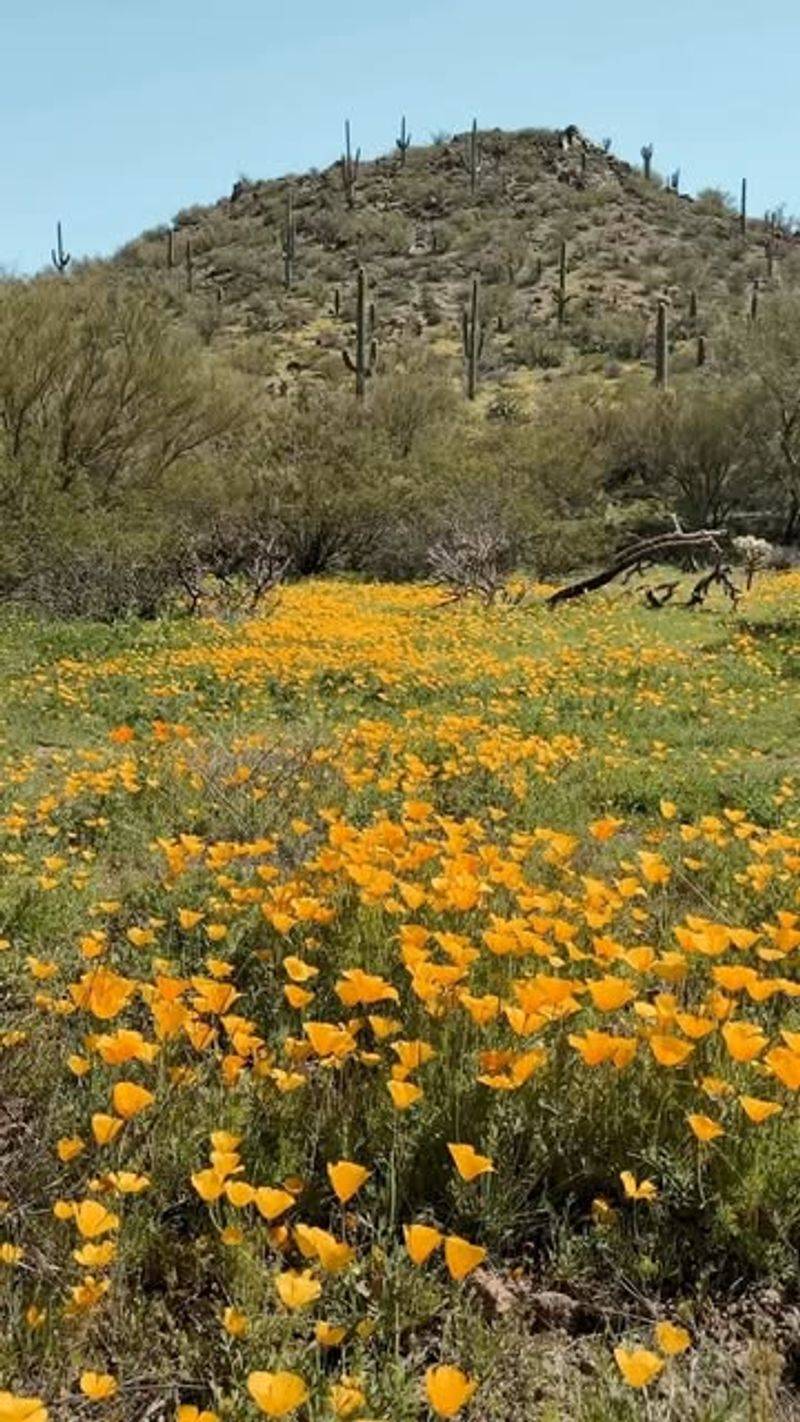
{"type": "Point", "coordinates": [400, 1012]}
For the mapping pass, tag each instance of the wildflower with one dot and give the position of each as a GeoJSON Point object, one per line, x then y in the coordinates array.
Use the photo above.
{"type": "Point", "coordinates": [93, 1219]}
{"type": "Point", "coordinates": [271, 1203]}
{"type": "Point", "coordinates": [297, 1288]}
{"type": "Point", "coordinates": [98, 1386]}
{"type": "Point", "coordinates": [644, 1190]}
{"type": "Point", "coordinates": [87, 1294]}
{"type": "Point", "coordinates": [606, 828]}
{"type": "Point", "coordinates": [448, 1389]}
{"type": "Point", "coordinates": [421, 1241]}
{"type": "Point", "coordinates": [329, 1335]}
{"type": "Point", "coordinates": [757, 1110]}
{"type": "Point", "coordinates": [235, 1322]}
{"type": "Point", "coordinates": [469, 1163]}
{"type": "Point", "coordinates": [127, 1182]}
{"type": "Point", "coordinates": [638, 1365]}
{"type": "Point", "coordinates": [102, 992]}
{"type": "Point", "coordinates": [461, 1257]}
{"type": "Point", "coordinates": [105, 1128]}
{"type": "Point", "coordinates": [672, 1339]}
{"type": "Point", "coordinates": [670, 1051]}
{"type": "Point", "coordinates": [277, 1394]}
{"type": "Point", "coordinates": [704, 1127]}
{"type": "Point", "coordinates": [21, 1409]}
{"type": "Point", "coordinates": [95, 1256]}
{"type": "Point", "coordinates": [785, 1064]}
{"type": "Point", "coordinates": [346, 1397]}
{"type": "Point", "coordinates": [609, 994]}
{"type": "Point", "coordinates": [404, 1094]}
{"type": "Point", "coordinates": [347, 1178]}
{"type": "Point", "coordinates": [744, 1040]}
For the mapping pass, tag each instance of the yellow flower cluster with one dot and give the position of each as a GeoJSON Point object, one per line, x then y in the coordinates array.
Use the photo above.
{"type": "Point", "coordinates": [294, 957]}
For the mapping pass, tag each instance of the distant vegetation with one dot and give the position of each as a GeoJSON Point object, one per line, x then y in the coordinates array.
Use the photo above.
{"type": "Point", "coordinates": [630, 355]}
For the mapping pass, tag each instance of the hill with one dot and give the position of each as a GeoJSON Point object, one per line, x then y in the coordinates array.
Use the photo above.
{"type": "Point", "coordinates": [185, 409]}
{"type": "Point", "coordinates": [423, 227]}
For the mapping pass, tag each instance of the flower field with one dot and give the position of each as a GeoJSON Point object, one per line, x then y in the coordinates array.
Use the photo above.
{"type": "Point", "coordinates": [401, 1012]}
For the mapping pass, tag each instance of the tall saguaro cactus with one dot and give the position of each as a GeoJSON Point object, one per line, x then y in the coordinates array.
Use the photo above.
{"type": "Point", "coordinates": [363, 364]}
{"type": "Point", "coordinates": [770, 256]}
{"type": "Point", "coordinates": [289, 242]}
{"type": "Point", "coordinates": [60, 258]}
{"type": "Point", "coordinates": [403, 143]}
{"type": "Point", "coordinates": [170, 249]}
{"type": "Point", "coordinates": [561, 291]}
{"type": "Point", "coordinates": [473, 157]}
{"type": "Point", "coordinates": [189, 265]}
{"type": "Point", "coordinates": [472, 335]}
{"type": "Point", "coordinates": [647, 159]}
{"type": "Point", "coordinates": [662, 346]}
{"type": "Point", "coordinates": [743, 209]}
{"type": "Point", "coordinates": [350, 167]}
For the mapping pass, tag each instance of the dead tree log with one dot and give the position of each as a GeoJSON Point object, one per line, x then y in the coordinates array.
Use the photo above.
{"type": "Point", "coordinates": [648, 550]}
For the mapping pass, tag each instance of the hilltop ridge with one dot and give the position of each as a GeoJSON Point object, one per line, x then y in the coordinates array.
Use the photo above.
{"type": "Point", "coordinates": [423, 227]}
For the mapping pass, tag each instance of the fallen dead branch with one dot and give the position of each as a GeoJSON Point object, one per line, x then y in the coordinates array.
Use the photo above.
{"type": "Point", "coordinates": [637, 555]}
{"type": "Point", "coordinates": [719, 574]}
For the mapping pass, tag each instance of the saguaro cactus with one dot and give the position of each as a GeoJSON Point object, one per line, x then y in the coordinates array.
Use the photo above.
{"type": "Point", "coordinates": [363, 364]}
{"type": "Point", "coordinates": [702, 352]}
{"type": "Point", "coordinates": [189, 265]}
{"type": "Point", "coordinates": [561, 291]}
{"type": "Point", "coordinates": [692, 305]}
{"type": "Point", "coordinates": [289, 242]}
{"type": "Point", "coordinates": [472, 334]}
{"type": "Point", "coordinates": [754, 296]}
{"type": "Point", "coordinates": [60, 258]}
{"type": "Point", "coordinates": [350, 167]}
{"type": "Point", "coordinates": [472, 156]}
{"type": "Point", "coordinates": [170, 249]}
{"type": "Point", "coordinates": [662, 346]}
{"type": "Point", "coordinates": [743, 209]}
{"type": "Point", "coordinates": [647, 159]}
{"type": "Point", "coordinates": [403, 142]}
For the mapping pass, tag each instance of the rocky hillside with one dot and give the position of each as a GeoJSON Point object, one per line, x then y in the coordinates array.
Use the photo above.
{"type": "Point", "coordinates": [423, 222]}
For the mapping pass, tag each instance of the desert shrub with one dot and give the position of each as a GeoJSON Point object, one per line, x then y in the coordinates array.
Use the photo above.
{"type": "Point", "coordinates": [622, 335]}
{"type": "Point", "coordinates": [103, 404]}
{"type": "Point", "coordinates": [694, 453]}
{"type": "Point", "coordinates": [766, 354]}
{"type": "Point", "coordinates": [535, 348]}
{"type": "Point", "coordinates": [713, 202]}
{"type": "Point", "coordinates": [96, 385]}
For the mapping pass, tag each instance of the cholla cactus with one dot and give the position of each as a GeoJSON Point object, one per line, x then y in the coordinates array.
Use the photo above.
{"type": "Point", "coordinates": [754, 553]}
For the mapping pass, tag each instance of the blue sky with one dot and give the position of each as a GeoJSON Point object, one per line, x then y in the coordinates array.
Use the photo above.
{"type": "Point", "coordinates": [114, 114]}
